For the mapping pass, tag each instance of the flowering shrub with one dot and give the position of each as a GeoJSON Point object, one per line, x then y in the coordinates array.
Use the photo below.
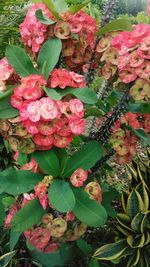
{"type": "Point", "coordinates": [45, 100]}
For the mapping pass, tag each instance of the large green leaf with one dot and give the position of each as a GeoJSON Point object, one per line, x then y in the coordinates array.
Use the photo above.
{"type": "Point", "coordinates": [75, 8]}
{"type": "Point", "coordinates": [139, 108]}
{"type": "Point", "coordinates": [49, 55]}
{"type": "Point", "coordinates": [14, 237]}
{"type": "Point", "coordinates": [61, 196]}
{"type": "Point", "coordinates": [28, 216]}
{"type": "Point", "coordinates": [116, 25]}
{"type": "Point", "coordinates": [48, 162]}
{"type": "Point", "coordinates": [85, 158]}
{"type": "Point", "coordinates": [60, 257]}
{"type": "Point", "coordinates": [51, 6]}
{"type": "Point", "coordinates": [111, 251]}
{"type": "Point", "coordinates": [6, 110]}
{"type": "Point", "coordinates": [16, 182]}
{"type": "Point", "coordinates": [86, 95]}
{"type": "Point", "coordinates": [84, 246]}
{"type": "Point", "coordinates": [20, 61]}
{"type": "Point", "coordinates": [42, 18]}
{"type": "Point", "coordinates": [88, 211]}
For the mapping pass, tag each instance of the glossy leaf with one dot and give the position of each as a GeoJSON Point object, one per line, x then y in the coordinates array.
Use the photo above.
{"type": "Point", "coordinates": [6, 110]}
{"type": "Point", "coordinates": [52, 93]}
{"type": "Point", "coordinates": [48, 162]}
{"type": "Point", "coordinates": [16, 182]}
{"type": "Point", "coordinates": [86, 95]}
{"type": "Point", "coordinates": [61, 196]}
{"type": "Point", "coordinates": [49, 55]}
{"type": "Point", "coordinates": [42, 18]}
{"type": "Point", "coordinates": [19, 60]}
{"type": "Point", "coordinates": [116, 25]}
{"type": "Point", "coordinates": [28, 216]}
{"type": "Point", "coordinates": [143, 108]}
{"type": "Point", "coordinates": [85, 158]}
{"type": "Point", "coordinates": [88, 211]}
{"type": "Point", "coordinates": [60, 257]}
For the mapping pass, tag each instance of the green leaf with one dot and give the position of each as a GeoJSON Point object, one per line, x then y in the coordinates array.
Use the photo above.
{"type": "Point", "coordinates": [62, 156]}
{"type": "Point", "coordinates": [49, 53]}
{"type": "Point", "coordinates": [6, 110]}
{"type": "Point", "coordinates": [48, 162]}
{"type": "Point", "coordinates": [85, 158]}
{"type": "Point", "coordinates": [42, 18]}
{"type": "Point", "coordinates": [61, 196]}
{"type": "Point", "coordinates": [22, 159]}
{"type": "Point", "coordinates": [20, 61]}
{"type": "Point", "coordinates": [5, 259]}
{"type": "Point", "coordinates": [134, 204]}
{"type": "Point", "coordinates": [86, 95]}
{"type": "Point", "coordinates": [111, 251]}
{"type": "Point", "coordinates": [75, 8]}
{"type": "Point", "coordinates": [88, 211]}
{"type": "Point", "coordinates": [14, 237]}
{"type": "Point", "coordinates": [116, 25]}
{"type": "Point", "coordinates": [51, 6]}
{"type": "Point", "coordinates": [61, 6]}
{"type": "Point", "coordinates": [142, 135]}
{"type": "Point", "coordinates": [108, 197]}
{"type": "Point", "coordinates": [52, 93]}
{"type": "Point", "coordinates": [93, 112]}
{"type": "Point", "coordinates": [84, 246]}
{"type": "Point", "coordinates": [2, 213]}
{"type": "Point", "coordinates": [16, 182]}
{"type": "Point", "coordinates": [60, 257]}
{"type": "Point", "coordinates": [134, 258]}
{"type": "Point", "coordinates": [28, 216]}
{"type": "Point", "coordinates": [143, 108]}
{"type": "Point", "coordinates": [8, 92]}
{"type": "Point", "coordinates": [136, 222]}
{"type": "Point", "coordinates": [8, 201]}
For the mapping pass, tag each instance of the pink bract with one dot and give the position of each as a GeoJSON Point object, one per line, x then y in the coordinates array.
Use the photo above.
{"type": "Point", "coordinates": [78, 178]}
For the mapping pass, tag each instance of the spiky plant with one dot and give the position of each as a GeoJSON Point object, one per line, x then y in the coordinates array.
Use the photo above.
{"type": "Point", "coordinates": [132, 246]}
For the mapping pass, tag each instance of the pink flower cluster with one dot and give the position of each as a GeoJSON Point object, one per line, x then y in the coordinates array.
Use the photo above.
{"type": "Point", "coordinates": [134, 53]}
{"type": "Point", "coordinates": [12, 211]}
{"type": "Point", "coordinates": [85, 26]}
{"type": "Point", "coordinates": [51, 123]}
{"type": "Point", "coordinates": [78, 178]}
{"type": "Point", "coordinates": [123, 141]}
{"type": "Point", "coordinates": [33, 32]}
{"type": "Point", "coordinates": [62, 78]}
{"type": "Point", "coordinates": [6, 71]}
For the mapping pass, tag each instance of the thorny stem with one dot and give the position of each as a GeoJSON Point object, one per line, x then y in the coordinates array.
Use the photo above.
{"type": "Point", "coordinates": [104, 132]}
{"type": "Point", "coordinates": [108, 11]}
